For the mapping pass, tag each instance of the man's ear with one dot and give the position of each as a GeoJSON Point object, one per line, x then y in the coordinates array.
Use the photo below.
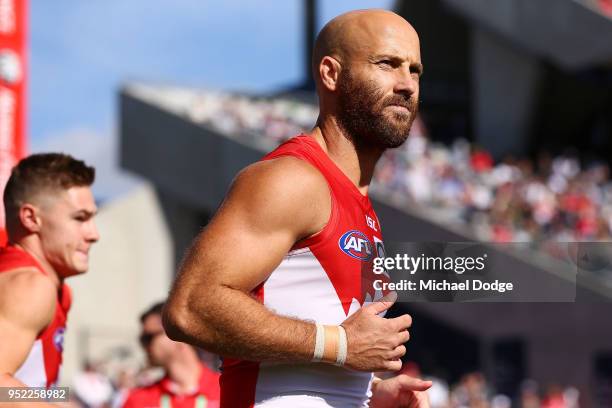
{"type": "Point", "coordinates": [29, 217]}
{"type": "Point", "coordinates": [329, 72]}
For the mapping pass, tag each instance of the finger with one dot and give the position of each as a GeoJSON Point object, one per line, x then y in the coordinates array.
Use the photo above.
{"type": "Point", "coordinates": [402, 337]}
{"type": "Point", "coordinates": [408, 399]}
{"type": "Point", "coordinates": [413, 384]}
{"type": "Point", "coordinates": [397, 352]}
{"type": "Point", "coordinates": [402, 322]}
{"type": "Point", "coordinates": [392, 365]}
{"type": "Point", "coordinates": [413, 399]}
{"type": "Point", "coordinates": [383, 304]}
{"type": "Point", "coordinates": [422, 400]}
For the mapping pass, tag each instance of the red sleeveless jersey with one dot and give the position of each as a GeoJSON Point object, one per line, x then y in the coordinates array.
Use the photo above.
{"type": "Point", "coordinates": [324, 278]}
{"type": "Point", "coordinates": [42, 365]}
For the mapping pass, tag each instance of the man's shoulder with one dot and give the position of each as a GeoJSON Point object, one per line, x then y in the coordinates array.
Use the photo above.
{"type": "Point", "coordinates": [284, 169]}
{"type": "Point", "coordinates": [287, 189]}
{"type": "Point", "coordinates": [27, 289]}
{"type": "Point", "coordinates": [27, 279]}
{"type": "Point", "coordinates": [283, 177]}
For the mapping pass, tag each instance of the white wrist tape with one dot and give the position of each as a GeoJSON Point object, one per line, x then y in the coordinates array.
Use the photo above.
{"type": "Point", "coordinates": [319, 343]}
{"type": "Point", "coordinates": [342, 346]}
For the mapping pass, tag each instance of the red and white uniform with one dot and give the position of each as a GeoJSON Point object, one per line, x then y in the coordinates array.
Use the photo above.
{"type": "Point", "coordinates": [41, 367]}
{"type": "Point", "coordinates": [162, 394]}
{"type": "Point", "coordinates": [324, 278]}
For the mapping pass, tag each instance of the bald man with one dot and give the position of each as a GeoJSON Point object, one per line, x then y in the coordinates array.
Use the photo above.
{"type": "Point", "coordinates": [278, 281]}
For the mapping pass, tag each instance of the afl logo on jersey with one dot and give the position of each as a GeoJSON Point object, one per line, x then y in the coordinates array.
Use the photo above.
{"type": "Point", "coordinates": [58, 338]}
{"type": "Point", "coordinates": [356, 244]}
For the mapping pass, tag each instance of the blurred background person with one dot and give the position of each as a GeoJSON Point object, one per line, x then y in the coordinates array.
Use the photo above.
{"type": "Point", "coordinates": [92, 388]}
{"type": "Point", "coordinates": [187, 382]}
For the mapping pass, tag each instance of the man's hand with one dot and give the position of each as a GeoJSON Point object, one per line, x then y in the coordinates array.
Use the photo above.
{"type": "Point", "coordinates": [376, 343]}
{"type": "Point", "coordinates": [400, 391]}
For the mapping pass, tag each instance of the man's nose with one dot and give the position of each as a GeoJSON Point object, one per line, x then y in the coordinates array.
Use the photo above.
{"type": "Point", "coordinates": [407, 82]}
{"type": "Point", "coordinates": [92, 234]}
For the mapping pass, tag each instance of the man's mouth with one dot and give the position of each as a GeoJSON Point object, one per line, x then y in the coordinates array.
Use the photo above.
{"type": "Point", "coordinates": [398, 107]}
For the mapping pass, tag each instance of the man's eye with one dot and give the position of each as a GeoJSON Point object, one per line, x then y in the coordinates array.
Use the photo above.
{"type": "Point", "coordinates": [385, 62]}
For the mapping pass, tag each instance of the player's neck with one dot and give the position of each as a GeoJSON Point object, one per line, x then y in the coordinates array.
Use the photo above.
{"type": "Point", "coordinates": [184, 371]}
{"type": "Point", "coordinates": [32, 246]}
{"type": "Point", "coordinates": [357, 163]}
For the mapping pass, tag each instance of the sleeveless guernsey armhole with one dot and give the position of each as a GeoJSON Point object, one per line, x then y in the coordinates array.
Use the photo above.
{"type": "Point", "coordinates": [322, 235]}
{"type": "Point", "coordinates": [66, 298]}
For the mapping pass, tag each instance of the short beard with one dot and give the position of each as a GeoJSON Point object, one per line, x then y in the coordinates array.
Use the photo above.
{"type": "Point", "coordinates": [360, 114]}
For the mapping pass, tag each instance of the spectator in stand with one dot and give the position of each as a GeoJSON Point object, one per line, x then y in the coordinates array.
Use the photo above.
{"type": "Point", "coordinates": [124, 383]}
{"type": "Point", "coordinates": [187, 382]}
{"type": "Point", "coordinates": [92, 388]}
{"type": "Point", "coordinates": [606, 6]}
{"type": "Point", "coordinates": [472, 391]}
{"type": "Point", "coordinates": [507, 202]}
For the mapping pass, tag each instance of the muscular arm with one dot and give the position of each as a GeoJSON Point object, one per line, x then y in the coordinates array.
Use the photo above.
{"type": "Point", "coordinates": [27, 304]}
{"type": "Point", "coordinates": [270, 206]}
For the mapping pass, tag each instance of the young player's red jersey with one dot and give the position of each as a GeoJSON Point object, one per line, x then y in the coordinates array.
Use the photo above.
{"type": "Point", "coordinates": [42, 365]}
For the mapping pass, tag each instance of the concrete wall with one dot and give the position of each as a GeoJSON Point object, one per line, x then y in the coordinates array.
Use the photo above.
{"type": "Point", "coordinates": [505, 84]}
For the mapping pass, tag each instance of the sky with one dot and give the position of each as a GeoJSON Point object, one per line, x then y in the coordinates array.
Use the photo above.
{"type": "Point", "coordinates": [81, 51]}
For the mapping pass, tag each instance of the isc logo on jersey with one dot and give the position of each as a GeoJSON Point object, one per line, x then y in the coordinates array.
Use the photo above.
{"type": "Point", "coordinates": [58, 338]}
{"type": "Point", "coordinates": [356, 244]}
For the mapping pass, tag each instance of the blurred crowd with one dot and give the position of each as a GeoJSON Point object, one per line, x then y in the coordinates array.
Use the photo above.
{"type": "Point", "coordinates": [512, 201]}
{"type": "Point", "coordinates": [92, 388]}
{"type": "Point", "coordinates": [515, 200]}
{"type": "Point", "coordinates": [605, 6]}
{"type": "Point", "coordinates": [473, 390]}
{"type": "Point", "coordinates": [99, 385]}
{"type": "Point", "coordinates": [254, 118]}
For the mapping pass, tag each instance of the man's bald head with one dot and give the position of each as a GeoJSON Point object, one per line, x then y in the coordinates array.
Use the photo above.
{"type": "Point", "coordinates": [349, 35]}
{"type": "Point", "coordinates": [367, 66]}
